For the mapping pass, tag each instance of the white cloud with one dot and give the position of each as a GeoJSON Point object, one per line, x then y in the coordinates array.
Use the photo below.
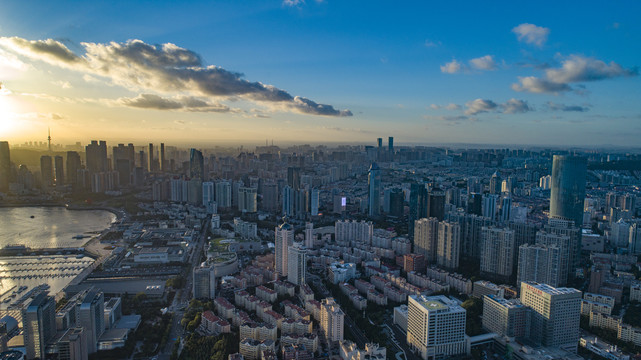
{"type": "Point", "coordinates": [563, 107]}
{"type": "Point", "coordinates": [479, 106]}
{"type": "Point", "coordinates": [63, 84]}
{"type": "Point", "coordinates": [435, 107]}
{"type": "Point", "coordinates": [452, 106]}
{"type": "Point", "coordinates": [578, 68]}
{"type": "Point", "coordinates": [514, 106]}
{"type": "Point", "coordinates": [429, 43]}
{"type": "Point", "coordinates": [574, 69]}
{"type": "Point", "coordinates": [484, 63]}
{"type": "Point", "coordinates": [452, 67]}
{"type": "Point", "coordinates": [164, 68]}
{"type": "Point", "coordinates": [536, 85]}
{"type": "Point", "coordinates": [293, 2]}
{"type": "Point", "coordinates": [532, 34]}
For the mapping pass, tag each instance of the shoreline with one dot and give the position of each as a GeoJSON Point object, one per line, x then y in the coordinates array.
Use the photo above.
{"type": "Point", "coordinates": [119, 213]}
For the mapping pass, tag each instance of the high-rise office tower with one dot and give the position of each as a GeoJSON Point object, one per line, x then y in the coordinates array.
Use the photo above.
{"type": "Point", "coordinates": [396, 202]}
{"type": "Point", "coordinates": [556, 314]}
{"type": "Point", "coordinates": [142, 159]}
{"type": "Point", "coordinates": [39, 325]}
{"type": "Point", "coordinates": [270, 197]}
{"type": "Point", "coordinates": [497, 253]}
{"type": "Point", "coordinates": [247, 200]}
{"type": "Point", "coordinates": [418, 205]}
{"type": "Point", "coordinates": [449, 244]}
{"type": "Point", "coordinates": [208, 197]}
{"type": "Point", "coordinates": [506, 209]}
{"type": "Point", "coordinates": [539, 263]}
{"type": "Point", "coordinates": [495, 184]}
{"type": "Point", "coordinates": [390, 144]}
{"type": "Point", "coordinates": [293, 177]}
{"type": "Point", "coordinates": [489, 206]}
{"type": "Point", "coordinates": [151, 158]}
{"type": "Point", "coordinates": [568, 239]}
{"type": "Point", "coordinates": [309, 235]}
{"type": "Point", "coordinates": [73, 165]}
{"type": "Point", "coordinates": [379, 141]}
{"type": "Point", "coordinates": [196, 164]}
{"type": "Point", "coordinates": [60, 171]}
{"type": "Point", "coordinates": [73, 345]}
{"type": "Point", "coordinates": [634, 239]}
{"type": "Point", "coordinates": [435, 326]}
{"type": "Point", "coordinates": [96, 153]}
{"type": "Point", "coordinates": [163, 165]}
{"type": "Point", "coordinates": [5, 166]}
{"type": "Point", "coordinates": [122, 152]}
{"type": "Point", "coordinates": [223, 193]}
{"type": "Point", "coordinates": [436, 204]}
{"type": "Point", "coordinates": [90, 315]}
{"type": "Point", "coordinates": [288, 201]}
{"type": "Point", "coordinates": [475, 204]}
{"type": "Point", "coordinates": [284, 239]}
{"type": "Point", "coordinates": [505, 317]}
{"type": "Point", "coordinates": [426, 238]}
{"type": "Point", "coordinates": [567, 190]}
{"type": "Point", "coordinates": [296, 264]}
{"type": "Point", "coordinates": [123, 167]}
{"type": "Point", "coordinates": [374, 186]}
{"type": "Point", "coordinates": [471, 232]}
{"type": "Point", "coordinates": [314, 202]}
{"type": "Point", "coordinates": [46, 170]}
{"type": "Point", "coordinates": [204, 286]}
{"type": "Point", "coordinates": [331, 320]}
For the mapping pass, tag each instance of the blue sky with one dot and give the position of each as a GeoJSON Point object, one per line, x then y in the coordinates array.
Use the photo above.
{"type": "Point", "coordinates": [552, 73]}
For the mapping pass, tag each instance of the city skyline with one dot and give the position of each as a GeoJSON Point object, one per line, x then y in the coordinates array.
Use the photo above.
{"type": "Point", "coordinates": [319, 72]}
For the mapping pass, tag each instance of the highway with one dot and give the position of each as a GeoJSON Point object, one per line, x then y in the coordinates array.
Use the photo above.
{"type": "Point", "coordinates": [182, 298]}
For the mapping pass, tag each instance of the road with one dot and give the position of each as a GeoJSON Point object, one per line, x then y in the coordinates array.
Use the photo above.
{"type": "Point", "coordinates": [399, 339]}
{"type": "Point", "coordinates": [182, 298]}
{"type": "Point", "coordinates": [348, 323]}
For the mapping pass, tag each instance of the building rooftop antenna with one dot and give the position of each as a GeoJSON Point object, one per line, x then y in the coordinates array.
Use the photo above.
{"type": "Point", "coordinates": [49, 137]}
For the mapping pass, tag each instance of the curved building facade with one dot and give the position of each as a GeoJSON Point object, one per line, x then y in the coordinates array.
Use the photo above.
{"type": "Point", "coordinates": [567, 190]}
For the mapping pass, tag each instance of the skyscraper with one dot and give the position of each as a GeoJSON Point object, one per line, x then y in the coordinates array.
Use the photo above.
{"type": "Point", "coordinates": [497, 253]}
{"type": "Point", "coordinates": [426, 238]}
{"type": "Point", "coordinates": [331, 320]}
{"type": "Point", "coordinates": [449, 244]}
{"type": "Point", "coordinates": [39, 324]}
{"type": "Point", "coordinates": [374, 185]}
{"type": "Point", "coordinates": [489, 206]}
{"type": "Point", "coordinates": [96, 156]}
{"type": "Point", "coordinates": [309, 235]}
{"type": "Point", "coordinates": [196, 164]}
{"type": "Point", "coordinates": [556, 314]}
{"type": "Point", "coordinates": [59, 170]}
{"type": "Point", "coordinates": [208, 197]}
{"type": "Point", "coordinates": [204, 286]}
{"type": "Point", "coordinates": [567, 190]}
{"type": "Point", "coordinates": [390, 145]}
{"type": "Point", "coordinates": [5, 166]}
{"type": "Point", "coordinates": [435, 326]}
{"type": "Point", "coordinates": [73, 165]}
{"type": "Point", "coordinates": [495, 184]}
{"type": "Point", "coordinates": [567, 237]}
{"type": "Point", "coordinates": [163, 165]}
{"type": "Point", "coordinates": [314, 202]}
{"type": "Point", "coordinates": [284, 239]}
{"type": "Point", "coordinates": [418, 205]}
{"type": "Point", "coordinates": [296, 264]}
{"type": "Point", "coordinates": [151, 158]}
{"type": "Point", "coordinates": [293, 177]}
{"type": "Point", "coordinates": [247, 200]}
{"type": "Point", "coordinates": [46, 171]}
{"type": "Point", "coordinates": [436, 204]}
{"type": "Point", "coordinates": [539, 263]}
{"type": "Point", "coordinates": [90, 315]}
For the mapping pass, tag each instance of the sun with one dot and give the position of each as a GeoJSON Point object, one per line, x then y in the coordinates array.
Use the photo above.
{"type": "Point", "coordinates": [9, 124]}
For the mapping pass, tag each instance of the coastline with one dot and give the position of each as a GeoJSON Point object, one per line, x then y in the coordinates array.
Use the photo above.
{"type": "Point", "coordinates": [119, 213]}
